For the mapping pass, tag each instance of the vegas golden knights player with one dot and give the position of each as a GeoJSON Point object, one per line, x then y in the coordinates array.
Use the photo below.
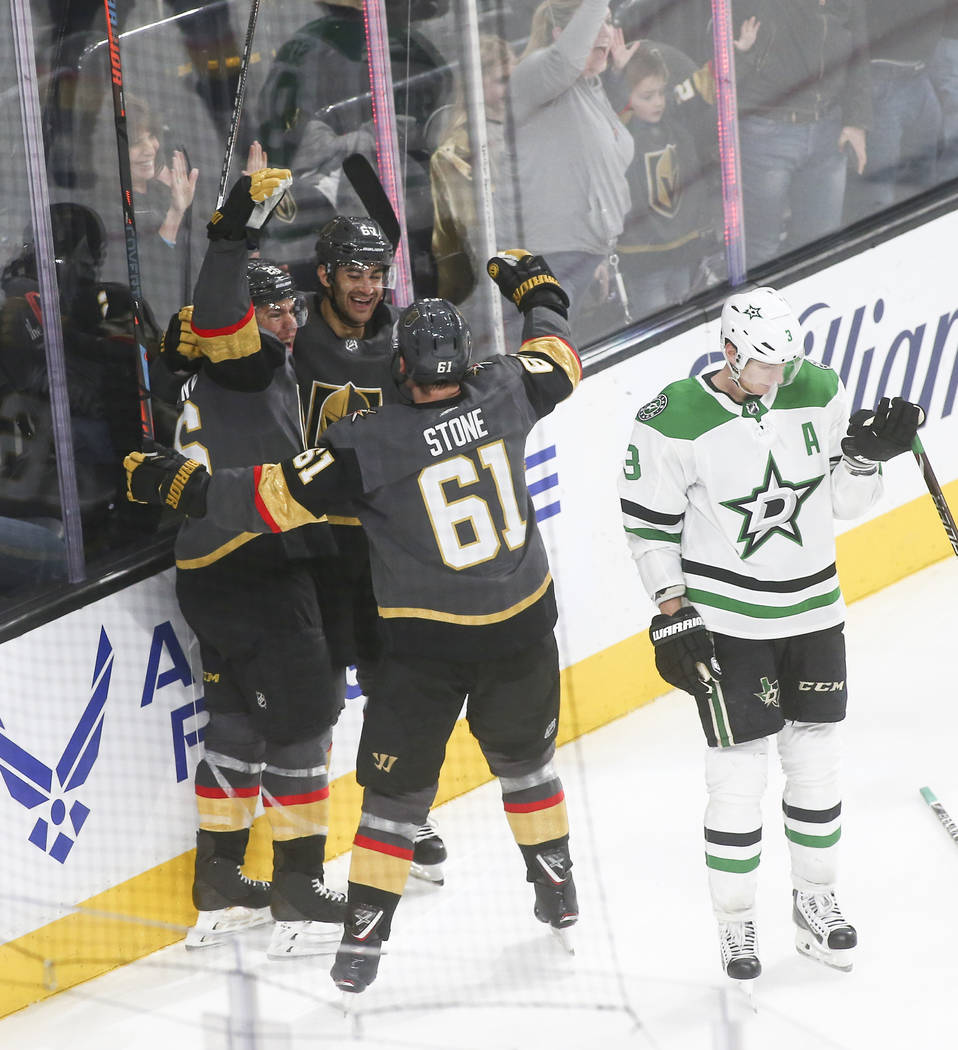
{"type": "Point", "coordinates": [461, 578]}
{"type": "Point", "coordinates": [251, 600]}
{"type": "Point", "coordinates": [343, 358]}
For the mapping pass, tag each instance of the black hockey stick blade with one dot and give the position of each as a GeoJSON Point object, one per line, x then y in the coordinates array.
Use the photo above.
{"type": "Point", "coordinates": [364, 180]}
{"type": "Point", "coordinates": [937, 496]}
{"type": "Point", "coordinates": [940, 812]}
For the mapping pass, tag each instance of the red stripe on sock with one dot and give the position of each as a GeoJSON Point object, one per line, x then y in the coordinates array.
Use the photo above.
{"type": "Point", "coordinates": [382, 847]}
{"type": "Point", "coordinates": [531, 807]}
{"type": "Point", "coordinates": [216, 792]}
{"type": "Point", "coordinates": [296, 800]}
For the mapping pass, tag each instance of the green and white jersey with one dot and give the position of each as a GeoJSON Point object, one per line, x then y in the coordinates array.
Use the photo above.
{"type": "Point", "coordinates": [736, 502]}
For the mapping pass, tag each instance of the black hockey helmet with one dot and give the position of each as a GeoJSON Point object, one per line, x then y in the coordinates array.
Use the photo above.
{"type": "Point", "coordinates": [269, 283]}
{"type": "Point", "coordinates": [434, 340]}
{"type": "Point", "coordinates": [354, 240]}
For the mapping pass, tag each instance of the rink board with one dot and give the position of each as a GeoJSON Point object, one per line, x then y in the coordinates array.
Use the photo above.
{"type": "Point", "coordinates": [101, 721]}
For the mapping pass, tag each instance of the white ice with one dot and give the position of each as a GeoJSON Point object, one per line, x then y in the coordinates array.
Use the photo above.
{"type": "Point", "coordinates": [470, 969]}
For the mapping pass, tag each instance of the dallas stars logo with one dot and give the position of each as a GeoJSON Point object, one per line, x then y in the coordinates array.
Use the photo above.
{"type": "Point", "coordinates": [753, 311]}
{"type": "Point", "coordinates": [771, 508]}
{"type": "Point", "coordinates": [769, 693]}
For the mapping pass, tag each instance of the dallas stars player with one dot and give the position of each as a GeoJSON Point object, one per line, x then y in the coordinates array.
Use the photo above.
{"type": "Point", "coordinates": [730, 484]}
{"type": "Point", "coordinates": [343, 359]}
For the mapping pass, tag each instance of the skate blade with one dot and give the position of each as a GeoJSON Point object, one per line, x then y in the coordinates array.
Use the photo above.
{"type": "Point", "coordinates": [216, 927]}
{"type": "Point", "coordinates": [834, 958]}
{"type": "Point", "coordinates": [428, 873]}
{"type": "Point", "coordinates": [564, 936]}
{"type": "Point", "coordinates": [295, 939]}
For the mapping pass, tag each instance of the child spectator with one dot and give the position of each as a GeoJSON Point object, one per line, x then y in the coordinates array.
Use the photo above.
{"type": "Point", "coordinates": [664, 230]}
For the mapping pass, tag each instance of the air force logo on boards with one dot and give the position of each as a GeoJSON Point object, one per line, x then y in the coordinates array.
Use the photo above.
{"type": "Point", "coordinates": [36, 786]}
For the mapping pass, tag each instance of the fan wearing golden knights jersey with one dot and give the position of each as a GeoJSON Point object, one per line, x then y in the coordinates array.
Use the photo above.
{"type": "Point", "coordinates": [251, 601]}
{"type": "Point", "coordinates": [730, 486]}
{"type": "Point", "coordinates": [460, 575]}
{"type": "Point", "coordinates": [343, 359]}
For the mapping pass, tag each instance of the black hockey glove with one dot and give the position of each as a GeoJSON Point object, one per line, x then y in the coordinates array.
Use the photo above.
{"type": "Point", "coordinates": [527, 281]}
{"type": "Point", "coordinates": [250, 203]}
{"type": "Point", "coordinates": [885, 433]}
{"type": "Point", "coordinates": [164, 478]}
{"type": "Point", "coordinates": [684, 652]}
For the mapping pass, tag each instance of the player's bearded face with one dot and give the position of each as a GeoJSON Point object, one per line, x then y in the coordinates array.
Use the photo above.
{"type": "Point", "coordinates": [356, 292]}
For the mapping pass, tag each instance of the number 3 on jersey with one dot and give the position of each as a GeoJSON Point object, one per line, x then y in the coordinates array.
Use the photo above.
{"type": "Point", "coordinates": [471, 516]}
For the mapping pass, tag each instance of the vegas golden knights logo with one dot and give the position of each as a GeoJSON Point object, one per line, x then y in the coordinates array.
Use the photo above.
{"type": "Point", "coordinates": [329, 403]}
{"type": "Point", "coordinates": [664, 182]}
{"type": "Point", "coordinates": [384, 763]}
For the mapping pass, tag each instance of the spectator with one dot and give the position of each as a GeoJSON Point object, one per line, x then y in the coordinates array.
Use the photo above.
{"type": "Point", "coordinates": [805, 102]}
{"type": "Point", "coordinates": [572, 207]}
{"type": "Point", "coordinates": [315, 109]}
{"type": "Point", "coordinates": [944, 77]}
{"type": "Point", "coordinates": [667, 228]}
{"type": "Point", "coordinates": [100, 364]}
{"type": "Point", "coordinates": [459, 263]}
{"type": "Point", "coordinates": [162, 196]}
{"type": "Point", "coordinates": [906, 117]}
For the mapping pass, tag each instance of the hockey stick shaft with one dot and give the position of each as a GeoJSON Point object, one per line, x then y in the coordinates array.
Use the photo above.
{"type": "Point", "coordinates": [937, 496]}
{"type": "Point", "coordinates": [238, 102]}
{"type": "Point", "coordinates": [940, 812]}
{"type": "Point", "coordinates": [129, 219]}
{"type": "Point", "coordinates": [364, 180]}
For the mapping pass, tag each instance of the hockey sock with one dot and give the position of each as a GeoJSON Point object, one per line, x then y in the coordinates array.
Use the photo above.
{"type": "Point", "coordinates": [296, 790]}
{"type": "Point", "coordinates": [304, 854]}
{"type": "Point", "coordinates": [229, 844]}
{"type": "Point", "coordinates": [226, 792]}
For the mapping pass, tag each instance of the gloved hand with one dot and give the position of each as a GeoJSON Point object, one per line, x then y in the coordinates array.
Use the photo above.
{"type": "Point", "coordinates": [179, 345]}
{"type": "Point", "coordinates": [684, 651]}
{"type": "Point", "coordinates": [527, 281]}
{"type": "Point", "coordinates": [885, 433]}
{"type": "Point", "coordinates": [163, 477]}
{"type": "Point", "coordinates": [250, 203]}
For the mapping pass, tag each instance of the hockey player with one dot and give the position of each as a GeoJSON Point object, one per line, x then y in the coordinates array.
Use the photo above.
{"type": "Point", "coordinates": [343, 363]}
{"type": "Point", "coordinates": [730, 484]}
{"type": "Point", "coordinates": [251, 601]}
{"type": "Point", "coordinates": [461, 577]}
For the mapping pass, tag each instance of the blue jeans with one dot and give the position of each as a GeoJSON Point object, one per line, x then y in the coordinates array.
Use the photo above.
{"type": "Point", "coordinates": [944, 78]}
{"type": "Point", "coordinates": [902, 141]}
{"type": "Point", "coordinates": [791, 170]}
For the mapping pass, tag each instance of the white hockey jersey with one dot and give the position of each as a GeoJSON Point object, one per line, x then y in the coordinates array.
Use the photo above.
{"type": "Point", "coordinates": [736, 502]}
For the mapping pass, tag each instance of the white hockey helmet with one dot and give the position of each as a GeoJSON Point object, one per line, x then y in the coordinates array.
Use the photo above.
{"type": "Point", "coordinates": [761, 326]}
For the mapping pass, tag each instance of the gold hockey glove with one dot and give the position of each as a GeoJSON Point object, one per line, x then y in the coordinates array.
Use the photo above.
{"type": "Point", "coordinates": [165, 478]}
{"type": "Point", "coordinates": [527, 281]}
{"type": "Point", "coordinates": [250, 203]}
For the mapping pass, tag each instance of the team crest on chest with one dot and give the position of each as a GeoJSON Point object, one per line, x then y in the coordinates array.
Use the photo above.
{"type": "Point", "coordinates": [771, 508]}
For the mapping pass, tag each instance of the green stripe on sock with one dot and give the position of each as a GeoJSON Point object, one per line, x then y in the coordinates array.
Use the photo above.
{"type": "Point", "coordinates": [739, 867]}
{"type": "Point", "coordinates": [815, 841]}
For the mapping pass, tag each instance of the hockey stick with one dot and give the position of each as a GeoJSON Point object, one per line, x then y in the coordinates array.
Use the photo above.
{"type": "Point", "coordinates": [938, 497]}
{"type": "Point", "coordinates": [129, 220]}
{"type": "Point", "coordinates": [940, 812]}
{"type": "Point", "coordinates": [237, 103]}
{"type": "Point", "coordinates": [364, 180]}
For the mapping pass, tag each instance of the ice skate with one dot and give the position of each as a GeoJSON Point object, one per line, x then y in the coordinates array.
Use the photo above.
{"type": "Point", "coordinates": [308, 915]}
{"type": "Point", "coordinates": [556, 901]}
{"type": "Point", "coordinates": [428, 854]}
{"type": "Point", "coordinates": [739, 945]}
{"type": "Point", "coordinates": [822, 932]}
{"type": "Point", "coordinates": [227, 901]}
{"type": "Point", "coordinates": [357, 960]}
